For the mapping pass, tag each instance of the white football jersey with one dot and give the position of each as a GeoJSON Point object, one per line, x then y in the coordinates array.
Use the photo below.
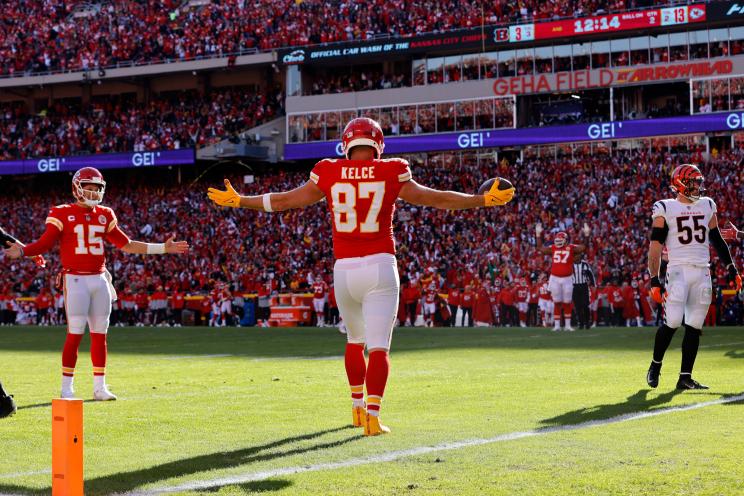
{"type": "Point", "coordinates": [687, 239]}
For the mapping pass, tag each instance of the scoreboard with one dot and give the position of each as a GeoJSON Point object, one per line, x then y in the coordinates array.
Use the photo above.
{"type": "Point", "coordinates": [683, 14]}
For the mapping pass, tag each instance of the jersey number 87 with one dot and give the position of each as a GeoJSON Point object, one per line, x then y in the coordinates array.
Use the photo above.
{"type": "Point", "coordinates": [344, 197]}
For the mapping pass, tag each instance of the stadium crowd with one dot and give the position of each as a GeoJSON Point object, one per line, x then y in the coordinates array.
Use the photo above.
{"type": "Point", "coordinates": [469, 251]}
{"type": "Point", "coordinates": [59, 35]}
{"type": "Point", "coordinates": [168, 121]}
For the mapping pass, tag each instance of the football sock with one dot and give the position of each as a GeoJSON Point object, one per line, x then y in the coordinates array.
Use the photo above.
{"type": "Point", "coordinates": [567, 313]}
{"type": "Point", "coordinates": [663, 337]}
{"type": "Point", "coordinates": [557, 314]}
{"type": "Point", "coordinates": [379, 368]}
{"type": "Point", "coordinates": [98, 353]}
{"type": "Point", "coordinates": [690, 344]}
{"type": "Point", "coordinates": [69, 358]}
{"type": "Point", "coordinates": [356, 370]}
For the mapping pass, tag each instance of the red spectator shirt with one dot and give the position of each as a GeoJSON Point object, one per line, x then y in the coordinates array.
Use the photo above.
{"type": "Point", "coordinates": [43, 301]}
{"type": "Point", "coordinates": [563, 258]}
{"type": "Point", "coordinates": [453, 298]}
{"type": "Point", "coordinates": [361, 197]}
{"type": "Point", "coordinates": [81, 232]}
{"type": "Point", "coordinates": [177, 301]}
{"type": "Point", "coordinates": [466, 299]}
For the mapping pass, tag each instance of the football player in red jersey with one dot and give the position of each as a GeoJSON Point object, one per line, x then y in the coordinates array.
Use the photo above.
{"type": "Point", "coordinates": [361, 191]}
{"type": "Point", "coordinates": [81, 229]}
{"type": "Point", "coordinates": [561, 272]}
{"type": "Point", "coordinates": [320, 288]}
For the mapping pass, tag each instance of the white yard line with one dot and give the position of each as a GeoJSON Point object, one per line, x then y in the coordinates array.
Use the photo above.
{"type": "Point", "coordinates": [256, 359]}
{"type": "Point", "coordinates": [187, 357]}
{"type": "Point", "coordinates": [718, 345]}
{"type": "Point", "coordinates": [423, 450]}
{"type": "Point", "coordinates": [24, 474]}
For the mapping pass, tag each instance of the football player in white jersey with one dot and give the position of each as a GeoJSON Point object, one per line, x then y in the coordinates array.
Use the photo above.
{"type": "Point", "coordinates": [686, 225]}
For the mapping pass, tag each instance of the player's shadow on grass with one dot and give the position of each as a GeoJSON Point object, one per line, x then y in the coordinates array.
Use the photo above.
{"type": "Point", "coordinates": [45, 405]}
{"type": "Point", "coordinates": [637, 402]}
{"type": "Point", "coordinates": [124, 482]}
{"type": "Point", "coordinates": [735, 354]}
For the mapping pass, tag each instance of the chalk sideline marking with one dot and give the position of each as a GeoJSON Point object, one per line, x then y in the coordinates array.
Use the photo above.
{"type": "Point", "coordinates": [422, 450]}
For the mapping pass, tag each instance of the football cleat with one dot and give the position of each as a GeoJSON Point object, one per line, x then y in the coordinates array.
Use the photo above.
{"type": "Point", "coordinates": [687, 382]}
{"type": "Point", "coordinates": [358, 416]}
{"type": "Point", "coordinates": [569, 329]}
{"type": "Point", "coordinates": [652, 376]}
{"type": "Point", "coordinates": [103, 394]}
{"type": "Point", "coordinates": [67, 394]}
{"type": "Point", "coordinates": [373, 427]}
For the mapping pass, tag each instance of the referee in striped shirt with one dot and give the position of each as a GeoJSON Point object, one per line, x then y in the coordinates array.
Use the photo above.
{"type": "Point", "coordinates": [583, 277]}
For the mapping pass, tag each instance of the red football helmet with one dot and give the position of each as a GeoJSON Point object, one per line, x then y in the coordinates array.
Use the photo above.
{"type": "Point", "coordinates": [88, 175]}
{"type": "Point", "coordinates": [687, 180]}
{"type": "Point", "coordinates": [560, 239]}
{"type": "Point", "coordinates": [363, 131]}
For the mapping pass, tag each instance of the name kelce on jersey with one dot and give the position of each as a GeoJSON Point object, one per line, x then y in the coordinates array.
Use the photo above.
{"type": "Point", "coordinates": [357, 172]}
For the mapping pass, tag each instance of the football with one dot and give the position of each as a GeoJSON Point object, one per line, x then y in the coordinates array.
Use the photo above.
{"type": "Point", "coordinates": [504, 184]}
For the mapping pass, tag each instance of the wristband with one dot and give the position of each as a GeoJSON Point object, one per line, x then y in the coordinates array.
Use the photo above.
{"type": "Point", "coordinates": [267, 202]}
{"type": "Point", "coordinates": [155, 248]}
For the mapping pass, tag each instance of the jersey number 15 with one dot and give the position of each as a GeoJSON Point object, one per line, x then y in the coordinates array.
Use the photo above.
{"type": "Point", "coordinates": [93, 245]}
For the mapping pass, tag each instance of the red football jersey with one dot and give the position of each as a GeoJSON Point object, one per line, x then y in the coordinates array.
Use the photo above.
{"type": "Point", "coordinates": [319, 290]}
{"type": "Point", "coordinates": [431, 296]}
{"type": "Point", "coordinates": [361, 197]}
{"type": "Point", "coordinates": [563, 258]}
{"type": "Point", "coordinates": [81, 232]}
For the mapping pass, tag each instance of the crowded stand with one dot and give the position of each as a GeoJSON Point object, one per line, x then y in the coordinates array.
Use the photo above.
{"type": "Point", "coordinates": [183, 119]}
{"type": "Point", "coordinates": [470, 267]}
{"type": "Point", "coordinates": [54, 35]}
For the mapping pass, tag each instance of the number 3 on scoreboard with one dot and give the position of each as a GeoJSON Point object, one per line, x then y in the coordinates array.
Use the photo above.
{"type": "Point", "coordinates": [344, 197]}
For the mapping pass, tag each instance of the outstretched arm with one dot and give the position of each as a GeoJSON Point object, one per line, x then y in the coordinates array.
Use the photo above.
{"type": "Point", "coordinates": [415, 193]}
{"type": "Point", "coordinates": [16, 249]}
{"type": "Point", "coordinates": [171, 246]}
{"type": "Point", "coordinates": [300, 197]}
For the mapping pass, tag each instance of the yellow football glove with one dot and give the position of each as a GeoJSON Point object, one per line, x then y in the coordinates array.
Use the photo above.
{"type": "Point", "coordinates": [228, 198]}
{"type": "Point", "coordinates": [496, 197]}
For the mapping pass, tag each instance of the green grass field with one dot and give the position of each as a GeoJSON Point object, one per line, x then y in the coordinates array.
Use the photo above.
{"type": "Point", "coordinates": [238, 411]}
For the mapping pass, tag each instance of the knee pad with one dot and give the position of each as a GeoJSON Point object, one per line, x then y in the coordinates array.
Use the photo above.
{"type": "Point", "coordinates": [76, 325]}
{"type": "Point", "coordinates": [99, 324]}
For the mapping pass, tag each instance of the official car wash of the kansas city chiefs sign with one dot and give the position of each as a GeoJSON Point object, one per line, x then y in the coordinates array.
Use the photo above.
{"type": "Point", "coordinates": [602, 78]}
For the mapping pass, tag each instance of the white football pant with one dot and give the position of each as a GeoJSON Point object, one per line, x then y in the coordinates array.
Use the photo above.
{"type": "Point", "coordinates": [688, 295]}
{"type": "Point", "coordinates": [561, 288]}
{"type": "Point", "coordinates": [87, 299]}
{"type": "Point", "coordinates": [367, 296]}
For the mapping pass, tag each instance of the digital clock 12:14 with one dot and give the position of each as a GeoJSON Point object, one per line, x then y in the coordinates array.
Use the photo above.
{"type": "Point", "coordinates": [597, 24]}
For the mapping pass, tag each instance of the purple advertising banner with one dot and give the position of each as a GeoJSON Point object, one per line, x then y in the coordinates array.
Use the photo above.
{"type": "Point", "coordinates": [102, 161]}
{"type": "Point", "coordinates": [726, 121]}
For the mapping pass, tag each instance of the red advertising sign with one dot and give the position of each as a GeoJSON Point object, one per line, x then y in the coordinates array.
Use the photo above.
{"type": "Point", "coordinates": [683, 14]}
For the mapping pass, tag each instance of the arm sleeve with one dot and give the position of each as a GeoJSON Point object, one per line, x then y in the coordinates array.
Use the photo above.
{"type": "Point", "coordinates": [658, 210]}
{"type": "Point", "coordinates": [404, 172]}
{"type": "Point", "coordinates": [45, 242]}
{"type": "Point", "coordinates": [721, 247]}
{"type": "Point", "coordinates": [117, 237]}
{"type": "Point", "coordinates": [315, 173]}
